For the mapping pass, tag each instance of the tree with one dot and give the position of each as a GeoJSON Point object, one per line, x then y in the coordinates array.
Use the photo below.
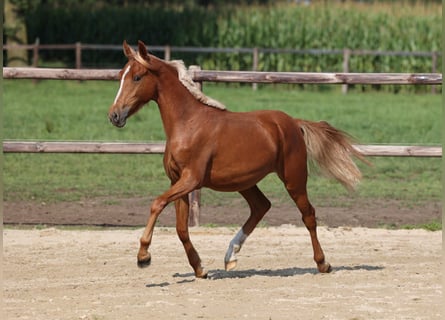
{"type": "Point", "coordinates": [15, 33]}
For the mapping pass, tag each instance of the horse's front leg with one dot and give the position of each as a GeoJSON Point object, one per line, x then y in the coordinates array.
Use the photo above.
{"type": "Point", "coordinates": [144, 256]}
{"type": "Point", "coordinates": [181, 188]}
{"type": "Point", "coordinates": [182, 214]}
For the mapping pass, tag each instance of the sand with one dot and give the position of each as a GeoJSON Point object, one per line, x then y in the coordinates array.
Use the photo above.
{"type": "Point", "coordinates": [53, 273]}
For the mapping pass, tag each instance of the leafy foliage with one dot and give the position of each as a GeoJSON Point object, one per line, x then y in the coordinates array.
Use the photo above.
{"type": "Point", "coordinates": [319, 26]}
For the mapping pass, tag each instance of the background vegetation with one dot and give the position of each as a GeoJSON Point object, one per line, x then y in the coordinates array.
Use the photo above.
{"type": "Point", "coordinates": [373, 25]}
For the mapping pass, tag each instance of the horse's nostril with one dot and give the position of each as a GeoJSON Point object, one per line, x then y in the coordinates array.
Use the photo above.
{"type": "Point", "coordinates": [117, 119]}
{"type": "Point", "coordinates": [114, 117]}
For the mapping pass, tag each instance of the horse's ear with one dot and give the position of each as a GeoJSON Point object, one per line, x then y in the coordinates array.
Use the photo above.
{"type": "Point", "coordinates": [128, 51]}
{"type": "Point", "coordinates": [143, 50]}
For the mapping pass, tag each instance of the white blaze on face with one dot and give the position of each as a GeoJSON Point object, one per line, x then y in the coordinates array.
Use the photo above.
{"type": "Point", "coordinates": [122, 84]}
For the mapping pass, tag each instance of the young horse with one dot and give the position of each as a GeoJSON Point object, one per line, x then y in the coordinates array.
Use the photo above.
{"type": "Point", "coordinates": [208, 146]}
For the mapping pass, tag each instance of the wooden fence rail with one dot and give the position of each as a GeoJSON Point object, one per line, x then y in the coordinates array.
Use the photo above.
{"type": "Point", "coordinates": [317, 78]}
{"type": "Point", "coordinates": [10, 146]}
{"type": "Point", "coordinates": [82, 147]}
{"type": "Point", "coordinates": [167, 50]}
{"type": "Point", "coordinates": [237, 76]}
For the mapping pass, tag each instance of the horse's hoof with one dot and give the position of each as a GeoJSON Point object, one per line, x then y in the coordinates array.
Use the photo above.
{"type": "Point", "coordinates": [324, 268]}
{"type": "Point", "coordinates": [144, 262]}
{"type": "Point", "coordinates": [231, 265]}
{"type": "Point", "coordinates": [202, 274]}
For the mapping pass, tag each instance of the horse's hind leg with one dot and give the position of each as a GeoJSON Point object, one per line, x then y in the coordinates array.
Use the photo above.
{"type": "Point", "coordinates": [308, 213]}
{"type": "Point", "coordinates": [259, 205]}
{"type": "Point", "coordinates": [182, 214]}
{"type": "Point", "coordinates": [294, 177]}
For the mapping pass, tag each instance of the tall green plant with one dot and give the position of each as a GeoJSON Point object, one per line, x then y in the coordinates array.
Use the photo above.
{"type": "Point", "coordinates": [319, 26]}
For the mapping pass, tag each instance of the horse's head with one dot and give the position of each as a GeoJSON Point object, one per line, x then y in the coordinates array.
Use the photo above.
{"type": "Point", "coordinates": [138, 84]}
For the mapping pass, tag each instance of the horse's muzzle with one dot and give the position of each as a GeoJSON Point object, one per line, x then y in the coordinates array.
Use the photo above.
{"type": "Point", "coordinates": [118, 119]}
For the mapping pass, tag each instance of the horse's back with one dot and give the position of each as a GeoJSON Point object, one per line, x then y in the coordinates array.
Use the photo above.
{"type": "Point", "coordinates": [280, 126]}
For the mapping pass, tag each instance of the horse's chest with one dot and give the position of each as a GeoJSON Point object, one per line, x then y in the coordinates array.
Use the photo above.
{"type": "Point", "coordinates": [172, 168]}
{"type": "Point", "coordinates": [180, 151]}
{"type": "Point", "coordinates": [177, 157]}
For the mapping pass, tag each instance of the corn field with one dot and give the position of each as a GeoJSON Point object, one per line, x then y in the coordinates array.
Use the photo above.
{"type": "Point", "coordinates": [327, 27]}
{"type": "Point", "coordinates": [322, 25]}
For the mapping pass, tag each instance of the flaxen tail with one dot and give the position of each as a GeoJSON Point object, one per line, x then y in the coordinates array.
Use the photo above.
{"type": "Point", "coordinates": [332, 150]}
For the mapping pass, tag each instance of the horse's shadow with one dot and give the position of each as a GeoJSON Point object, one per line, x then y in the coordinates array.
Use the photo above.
{"type": "Point", "coordinates": [221, 274]}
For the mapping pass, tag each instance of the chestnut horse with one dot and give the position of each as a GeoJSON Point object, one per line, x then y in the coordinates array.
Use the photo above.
{"type": "Point", "coordinates": [209, 146]}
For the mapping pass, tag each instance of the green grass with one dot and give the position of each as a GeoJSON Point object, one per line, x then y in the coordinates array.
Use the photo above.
{"type": "Point", "coordinates": [69, 110]}
{"type": "Point", "coordinates": [430, 226]}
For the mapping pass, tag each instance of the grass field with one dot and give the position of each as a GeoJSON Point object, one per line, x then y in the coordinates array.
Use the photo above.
{"type": "Point", "coordinates": [69, 110]}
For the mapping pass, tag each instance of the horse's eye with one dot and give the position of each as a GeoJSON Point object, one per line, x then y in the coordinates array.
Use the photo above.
{"type": "Point", "coordinates": [136, 78]}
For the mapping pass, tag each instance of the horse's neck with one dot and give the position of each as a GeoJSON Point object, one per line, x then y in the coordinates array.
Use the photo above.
{"type": "Point", "coordinates": [177, 106]}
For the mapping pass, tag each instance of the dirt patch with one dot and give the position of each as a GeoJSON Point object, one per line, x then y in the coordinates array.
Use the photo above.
{"type": "Point", "coordinates": [134, 212]}
{"type": "Point", "coordinates": [69, 274]}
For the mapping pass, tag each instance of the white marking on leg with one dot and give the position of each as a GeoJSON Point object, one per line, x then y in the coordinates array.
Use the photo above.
{"type": "Point", "coordinates": [122, 84]}
{"type": "Point", "coordinates": [235, 246]}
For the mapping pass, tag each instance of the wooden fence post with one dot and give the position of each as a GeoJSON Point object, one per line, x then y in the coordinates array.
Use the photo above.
{"type": "Point", "coordinates": [167, 53]}
{"type": "Point", "coordinates": [35, 57]}
{"type": "Point", "coordinates": [346, 56]}
{"type": "Point", "coordinates": [433, 68]}
{"type": "Point", "coordinates": [35, 53]}
{"type": "Point", "coordinates": [78, 55]}
{"type": "Point", "coordinates": [195, 196]}
{"type": "Point", "coordinates": [194, 209]}
{"type": "Point", "coordinates": [255, 66]}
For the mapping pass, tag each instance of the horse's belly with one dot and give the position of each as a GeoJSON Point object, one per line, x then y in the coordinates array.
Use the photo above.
{"type": "Point", "coordinates": [238, 175]}
{"type": "Point", "coordinates": [241, 158]}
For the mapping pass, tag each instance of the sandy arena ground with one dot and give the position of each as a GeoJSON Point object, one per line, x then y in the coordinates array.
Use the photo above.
{"type": "Point", "coordinates": [92, 274]}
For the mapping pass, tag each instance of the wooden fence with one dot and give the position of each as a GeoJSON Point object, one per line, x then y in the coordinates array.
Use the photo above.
{"type": "Point", "coordinates": [167, 50]}
{"type": "Point", "coordinates": [237, 76]}
{"type": "Point", "coordinates": [11, 146]}
{"type": "Point", "coordinates": [215, 76]}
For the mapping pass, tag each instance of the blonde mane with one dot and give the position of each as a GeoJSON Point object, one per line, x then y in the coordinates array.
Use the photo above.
{"type": "Point", "coordinates": [192, 87]}
{"type": "Point", "coordinates": [187, 82]}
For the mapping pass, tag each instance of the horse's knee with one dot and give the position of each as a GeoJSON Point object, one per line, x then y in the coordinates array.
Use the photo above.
{"type": "Point", "coordinates": [157, 206]}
